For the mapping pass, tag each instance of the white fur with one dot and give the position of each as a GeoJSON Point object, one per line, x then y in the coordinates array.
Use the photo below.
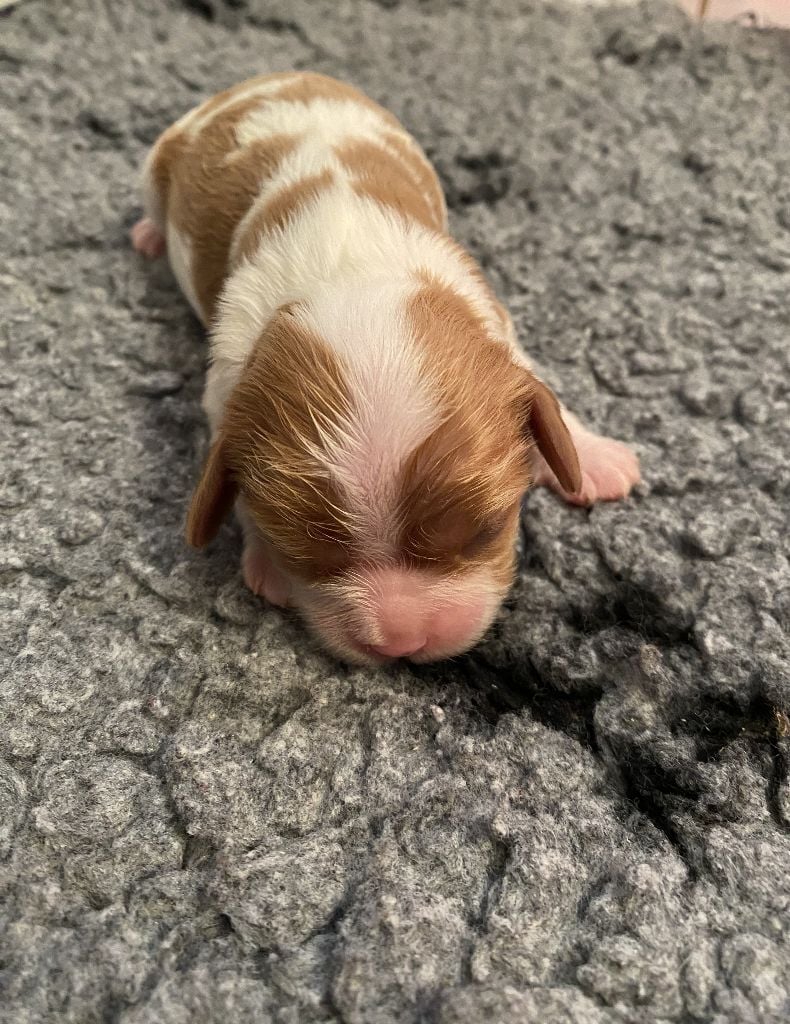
{"type": "Point", "coordinates": [179, 251]}
{"type": "Point", "coordinates": [394, 407]}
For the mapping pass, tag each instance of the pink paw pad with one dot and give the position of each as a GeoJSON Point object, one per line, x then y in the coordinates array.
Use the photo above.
{"type": "Point", "coordinates": [147, 239]}
{"type": "Point", "coordinates": [263, 578]}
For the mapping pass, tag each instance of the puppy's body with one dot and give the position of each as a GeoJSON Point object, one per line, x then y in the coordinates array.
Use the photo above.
{"type": "Point", "coordinates": [372, 417]}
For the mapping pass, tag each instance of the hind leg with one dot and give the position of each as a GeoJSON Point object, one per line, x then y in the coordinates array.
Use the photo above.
{"type": "Point", "coordinates": [147, 239]}
{"type": "Point", "coordinates": [148, 234]}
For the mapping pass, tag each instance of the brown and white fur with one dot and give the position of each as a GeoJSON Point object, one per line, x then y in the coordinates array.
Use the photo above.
{"type": "Point", "coordinates": [373, 421]}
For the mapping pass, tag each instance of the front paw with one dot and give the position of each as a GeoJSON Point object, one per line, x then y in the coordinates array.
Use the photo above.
{"type": "Point", "coordinates": [609, 471]}
{"type": "Point", "coordinates": [264, 578]}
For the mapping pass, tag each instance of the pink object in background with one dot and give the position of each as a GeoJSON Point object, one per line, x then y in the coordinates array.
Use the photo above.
{"type": "Point", "coordinates": [759, 12]}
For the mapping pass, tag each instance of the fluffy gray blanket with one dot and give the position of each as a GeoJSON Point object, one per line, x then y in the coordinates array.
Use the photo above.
{"type": "Point", "coordinates": [205, 819]}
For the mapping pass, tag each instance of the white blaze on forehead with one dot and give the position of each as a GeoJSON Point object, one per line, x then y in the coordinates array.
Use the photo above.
{"type": "Point", "coordinates": [393, 406]}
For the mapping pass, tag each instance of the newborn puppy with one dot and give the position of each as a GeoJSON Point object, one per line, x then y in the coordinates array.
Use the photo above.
{"type": "Point", "coordinates": [373, 421]}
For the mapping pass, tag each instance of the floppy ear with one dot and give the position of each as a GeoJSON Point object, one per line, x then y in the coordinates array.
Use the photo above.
{"type": "Point", "coordinates": [553, 438]}
{"type": "Point", "coordinates": [213, 499]}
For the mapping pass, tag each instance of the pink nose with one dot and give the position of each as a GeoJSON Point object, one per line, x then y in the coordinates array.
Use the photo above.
{"type": "Point", "coordinates": [401, 648]}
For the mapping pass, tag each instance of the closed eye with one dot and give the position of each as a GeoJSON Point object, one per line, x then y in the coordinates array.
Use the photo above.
{"type": "Point", "coordinates": [485, 536]}
{"type": "Point", "coordinates": [454, 536]}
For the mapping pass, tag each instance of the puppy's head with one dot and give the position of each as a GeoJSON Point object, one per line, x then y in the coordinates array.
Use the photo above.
{"type": "Point", "coordinates": [380, 444]}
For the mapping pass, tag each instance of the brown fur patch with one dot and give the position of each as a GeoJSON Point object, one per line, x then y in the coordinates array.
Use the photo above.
{"type": "Point", "coordinates": [167, 152]}
{"type": "Point", "coordinates": [379, 175]}
{"type": "Point", "coordinates": [380, 170]}
{"type": "Point", "coordinates": [279, 209]}
{"type": "Point", "coordinates": [291, 390]}
{"type": "Point", "coordinates": [422, 173]}
{"type": "Point", "coordinates": [472, 267]}
{"type": "Point", "coordinates": [208, 183]}
{"type": "Point", "coordinates": [462, 486]}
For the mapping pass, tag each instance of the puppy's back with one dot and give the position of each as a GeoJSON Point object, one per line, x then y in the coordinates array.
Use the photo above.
{"type": "Point", "coordinates": [239, 170]}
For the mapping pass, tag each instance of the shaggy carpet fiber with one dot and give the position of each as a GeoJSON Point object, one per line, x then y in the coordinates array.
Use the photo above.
{"type": "Point", "coordinates": [205, 819]}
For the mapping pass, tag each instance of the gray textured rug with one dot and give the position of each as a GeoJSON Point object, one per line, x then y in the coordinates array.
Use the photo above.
{"type": "Point", "coordinates": [204, 819]}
